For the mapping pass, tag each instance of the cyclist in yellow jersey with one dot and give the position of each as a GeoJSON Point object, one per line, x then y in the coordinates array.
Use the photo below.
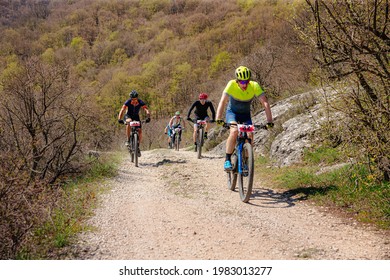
{"type": "Point", "coordinates": [238, 95]}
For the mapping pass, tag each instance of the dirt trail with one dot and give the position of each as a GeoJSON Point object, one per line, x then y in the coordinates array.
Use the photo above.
{"type": "Point", "coordinates": [175, 206]}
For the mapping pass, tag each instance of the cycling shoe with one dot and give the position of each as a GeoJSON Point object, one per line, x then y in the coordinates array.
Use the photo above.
{"type": "Point", "coordinates": [228, 166]}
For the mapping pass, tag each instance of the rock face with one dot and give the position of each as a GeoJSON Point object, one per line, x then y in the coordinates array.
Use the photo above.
{"type": "Point", "coordinates": [296, 119]}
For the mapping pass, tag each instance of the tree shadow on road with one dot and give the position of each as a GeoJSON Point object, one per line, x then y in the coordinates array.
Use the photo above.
{"type": "Point", "coordinates": [162, 162]}
{"type": "Point", "coordinates": [269, 198]}
{"type": "Point", "coordinates": [211, 157]}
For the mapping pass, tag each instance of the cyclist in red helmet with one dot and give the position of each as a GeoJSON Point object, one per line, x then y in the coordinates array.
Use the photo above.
{"type": "Point", "coordinates": [201, 106]}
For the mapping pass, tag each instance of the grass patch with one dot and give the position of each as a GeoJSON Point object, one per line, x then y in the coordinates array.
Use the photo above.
{"type": "Point", "coordinates": [350, 188]}
{"type": "Point", "coordinates": [76, 201]}
{"type": "Point", "coordinates": [324, 155]}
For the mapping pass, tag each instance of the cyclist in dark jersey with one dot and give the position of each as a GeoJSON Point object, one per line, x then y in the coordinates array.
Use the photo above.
{"type": "Point", "coordinates": [201, 106]}
{"type": "Point", "coordinates": [132, 106]}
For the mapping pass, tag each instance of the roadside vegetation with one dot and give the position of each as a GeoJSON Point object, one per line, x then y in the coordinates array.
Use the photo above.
{"type": "Point", "coordinates": [329, 178]}
{"type": "Point", "coordinates": [65, 218]}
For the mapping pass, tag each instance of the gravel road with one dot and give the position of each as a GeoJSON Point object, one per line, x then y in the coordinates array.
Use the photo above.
{"type": "Point", "coordinates": [177, 207]}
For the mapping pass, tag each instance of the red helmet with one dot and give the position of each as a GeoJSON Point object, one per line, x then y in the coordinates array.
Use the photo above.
{"type": "Point", "coordinates": [203, 95]}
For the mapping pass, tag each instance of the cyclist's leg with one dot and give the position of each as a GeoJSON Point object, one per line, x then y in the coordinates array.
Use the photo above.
{"type": "Point", "coordinates": [231, 141]}
{"type": "Point", "coordinates": [207, 119]}
{"type": "Point", "coordinates": [180, 132]}
{"type": "Point", "coordinates": [195, 128]}
{"type": "Point", "coordinates": [128, 128]}
{"type": "Point", "coordinates": [169, 134]}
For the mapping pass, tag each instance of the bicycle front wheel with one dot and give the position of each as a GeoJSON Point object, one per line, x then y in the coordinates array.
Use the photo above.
{"type": "Point", "coordinates": [130, 149]}
{"type": "Point", "coordinates": [245, 178]}
{"type": "Point", "coordinates": [177, 143]}
{"type": "Point", "coordinates": [135, 150]}
{"type": "Point", "coordinates": [172, 142]}
{"type": "Point", "coordinates": [200, 142]}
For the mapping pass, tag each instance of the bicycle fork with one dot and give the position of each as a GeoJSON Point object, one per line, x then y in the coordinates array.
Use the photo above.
{"type": "Point", "coordinates": [240, 159]}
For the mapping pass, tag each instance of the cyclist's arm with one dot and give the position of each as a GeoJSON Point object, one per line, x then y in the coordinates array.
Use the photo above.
{"type": "Point", "coordinates": [120, 115]}
{"type": "Point", "coordinates": [267, 107]}
{"type": "Point", "coordinates": [170, 122]}
{"type": "Point", "coordinates": [221, 106]}
{"type": "Point", "coordinates": [212, 110]}
{"type": "Point", "coordinates": [184, 123]}
{"type": "Point", "coordinates": [189, 111]}
{"type": "Point", "coordinates": [146, 110]}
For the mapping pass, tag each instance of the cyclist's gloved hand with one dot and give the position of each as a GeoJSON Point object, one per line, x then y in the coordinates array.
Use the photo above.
{"type": "Point", "coordinates": [189, 119]}
{"type": "Point", "coordinates": [121, 122]}
{"type": "Point", "coordinates": [220, 122]}
{"type": "Point", "coordinates": [270, 125]}
{"type": "Point", "coordinates": [147, 120]}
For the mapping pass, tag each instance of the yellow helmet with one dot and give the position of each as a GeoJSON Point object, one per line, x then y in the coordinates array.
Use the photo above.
{"type": "Point", "coordinates": [243, 73]}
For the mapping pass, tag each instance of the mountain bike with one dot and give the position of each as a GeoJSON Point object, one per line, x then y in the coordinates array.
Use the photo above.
{"type": "Point", "coordinates": [242, 161]}
{"type": "Point", "coordinates": [199, 136]}
{"type": "Point", "coordinates": [175, 138]}
{"type": "Point", "coordinates": [133, 141]}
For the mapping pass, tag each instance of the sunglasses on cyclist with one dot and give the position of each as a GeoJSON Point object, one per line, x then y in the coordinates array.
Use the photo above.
{"type": "Point", "coordinates": [243, 82]}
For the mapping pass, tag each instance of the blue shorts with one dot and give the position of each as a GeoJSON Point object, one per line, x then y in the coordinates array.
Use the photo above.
{"type": "Point", "coordinates": [238, 118]}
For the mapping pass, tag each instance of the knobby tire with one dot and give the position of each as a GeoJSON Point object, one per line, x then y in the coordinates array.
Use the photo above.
{"type": "Point", "coordinates": [245, 183]}
{"type": "Point", "coordinates": [200, 142]}
{"type": "Point", "coordinates": [130, 148]}
{"type": "Point", "coordinates": [177, 143]}
{"type": "Point", "coordinates": [172, 142]}
{"type": "Point", "coordinates": [135, 151]}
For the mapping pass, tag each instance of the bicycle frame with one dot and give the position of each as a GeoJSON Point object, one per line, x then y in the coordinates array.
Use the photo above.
{"type": "Point", "coordinates": [242, 138]}
{"type": "Point", "coordinates": [133, 144]}
{"type": "Point", "coordinates": [135, 126]}
{"type": "Point", "coordinates": [175, 133]}
{"type": "Point", "coordinates": [200, 125]}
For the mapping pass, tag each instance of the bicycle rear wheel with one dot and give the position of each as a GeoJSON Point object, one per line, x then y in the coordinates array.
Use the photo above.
{"type": "Point", "coordinates": [135, 150]}
{"type": "Point", "coordinates": [245, 179]}
{"type": "Point", "coordinates": [200, 142]}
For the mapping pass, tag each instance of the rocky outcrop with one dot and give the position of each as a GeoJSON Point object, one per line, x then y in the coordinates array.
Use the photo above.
{"type": "Point", "coordinates": [296, 120]}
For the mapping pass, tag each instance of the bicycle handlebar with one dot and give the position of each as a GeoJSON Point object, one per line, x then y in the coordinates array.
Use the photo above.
{"type": "Point", "coordinates": [191, 120]}
{"type": "Point", "coordinates": [260, 126]}
{"type": "Point", "coordinates": [127, 123]}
